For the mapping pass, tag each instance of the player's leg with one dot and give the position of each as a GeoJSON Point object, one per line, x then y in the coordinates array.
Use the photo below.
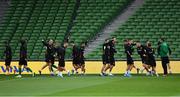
{"type": "Point", "coordinates": [50, 68]}
{"type": "Point", "coordinates": [130, 65]}
{"type": "Point", "coordinates": [83, 70]}
{"type": "Point", "coordinates": [61, 68]}
{"type": "Point", "coordinates": [60, 71]}
{"type": "Point", "coordinates": [103, 69]}
{"type": "Point", "coordinates": [28, 68]}
{"type": "Point", "coordinates": [77, 66]}
{"type": "Point", "coordinates": [127, 70]}
{"type": "Point", "coordinates": [53, 65]}
{"type": "Point", "coordinates": [44, 66]}
{"type": "Point", "coordinates": [106, 68]}
{"type": "Point", "coordinates": [7, 68]}
{"type": "Point", "coordinates": [133, 66]}
{"type": "Point", "coordinates": [19, 68]}
{"type": "Point", "coordinates": [112, 64]}
{"type": "Point", "coordinates": [110, 69]}
{"type": "Point", "coordinates": [104, 61]}
{"type": "Point", "coordinates": [168, 65]}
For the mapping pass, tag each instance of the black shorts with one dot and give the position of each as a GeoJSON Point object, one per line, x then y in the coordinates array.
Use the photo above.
{"type": "Point", "coordinates": [82, 62]}
{"type": "Point", "coordinates": [7, 62]}
{"type": "Point", "coordinates": [112, 60]}
{"type": "Point", "coordinates": [61, 63]}
{"type": "Point", "coordinates": [143, 59]}
{"type": "Point", "coordinates": [105, 59]}
{"type": "Point", "coordinates": [130, 61]}
{"type": "Point", "coordinates": [23, 61]}
{"type": "Point", "coordinates": [165, 60]}
{"type": "Point", "coordinates": [49, 59]}
{"type": "Point", "coordinates": [76, 61]}
{"type": "Point", "coordinates": [53, 60]}
{"type": "Point", "coordinates": [151, 62]}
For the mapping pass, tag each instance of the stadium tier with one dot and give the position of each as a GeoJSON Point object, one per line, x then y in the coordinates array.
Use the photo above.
{"type": "Point", "coordinates": [35, 20]}
{"type": "Point", "coordinates": [92, 16]}
{"type": "Point", "coordinates": [155, 19]}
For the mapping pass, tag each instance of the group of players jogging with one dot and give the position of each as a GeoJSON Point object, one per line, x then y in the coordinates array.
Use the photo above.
{"type": "Point", "coordinates": [56, 50]}
{"type": "Point", "coordinates": [145, 51]}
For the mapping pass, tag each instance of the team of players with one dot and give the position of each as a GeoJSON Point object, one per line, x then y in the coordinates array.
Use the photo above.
{"type": "Point", "coordinates": [56, 50]}
{"type": "Point", "coordinates": [146, 52]}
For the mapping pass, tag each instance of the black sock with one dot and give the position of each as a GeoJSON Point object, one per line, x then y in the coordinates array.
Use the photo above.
{"type": "Point", "coordinates": [54, 66]}
{"type": "Point", "coordinates": [19, 71]}
{"type": "Point", "coordinates": [28, 69]}
{"type": "Point", "coordinates": [52, 69]}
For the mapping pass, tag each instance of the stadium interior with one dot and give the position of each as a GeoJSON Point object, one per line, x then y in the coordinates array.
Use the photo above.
{"type": "Point", "coordinates": [82, 20]}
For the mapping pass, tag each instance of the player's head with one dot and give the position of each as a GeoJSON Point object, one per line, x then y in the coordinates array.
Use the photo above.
{"type": "Point", "coordinates": [159, 42]}
{"type": "Point", "coordinates": [72, 43]}
{"type": "Point", "coordinates": [23, 41]}
{"type": "Point", "coordinates": [149, 44]}
{"type": "Point", "coordinates": [106, 41]}
{"type": "Point", "coordinates": [129, 41]}
{"type": "Point", "coordinates": [65, 44]}
{"type": "Point", "coordinates": [147, 41]}
{"type": "Point", "coordinates": [50, 42]}
{"type": "Point", "coordinates": [6, 43]}
{"type": "Point", "coordinates": [162, 40]}
{"type": "Point", "coordinates": [83, 44]}
{"type": "Point", "coordinates": [126, 41]}
{"type": "Point", "coordinates": [114, 39]}
{"type": "Point", "coordinates": [138, 44]}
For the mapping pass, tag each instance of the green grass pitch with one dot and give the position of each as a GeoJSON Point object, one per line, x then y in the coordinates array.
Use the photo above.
{"type": "Point", "coordinates": [90, 85]}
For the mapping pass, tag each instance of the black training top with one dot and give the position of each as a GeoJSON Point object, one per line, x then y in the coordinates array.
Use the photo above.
{"type": "Point", "coordinates": [61, 53]}
{"type": "Point", "coordinates": [50, 49]}
{"type": "Point", "coordinates": [81, 52]}
{"type": "Point", "coordinates": [128, 50]}
{"type": "Point", "coordinates": [141, 51]}
{"type": "Point", "coordinates": [150, 52]}
{"type": "Point", "coordinates": [106, 49]}
{"type": "Point", "coordinates": [112, 48]}
{"type": "Point", "coordinates": [75, 52]}
{"type": "Point", "coordinates": [8, 52]}
{"type": "Point", "coordinates": [23, 50]}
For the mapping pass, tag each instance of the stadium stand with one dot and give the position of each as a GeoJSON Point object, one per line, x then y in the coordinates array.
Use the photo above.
{"type": "Point", "coordinates": [155, 19]}
{"type": "Point", "coordinates": [92, 16]}
{"type": "Point", "coordinates": [35, 20]}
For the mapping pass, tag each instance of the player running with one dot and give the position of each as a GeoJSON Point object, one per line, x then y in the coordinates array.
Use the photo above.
{"type": "Point", "coordinates": [49, 56]}
{"type": "Point", "coordinates": [130, 62]}
{"type": "Point", "coordinates": [105, 56]}
{"type": "Point", "coordinates": [112, 51]}
{"type": "Point", "coordinates": [151, 58]}
{"type": "Point", "coordinates": [141, 50]}
{"type": "Point", "coordinates": [82, 59]}
{"type": "Point", "coordinates": [76, 58]}
{"type": "Point", "coordinates": [8, 58]}
{"type": "Point", "coordinates": [61, 50]}
{"type": "Point", "coordinates": [23, 58]}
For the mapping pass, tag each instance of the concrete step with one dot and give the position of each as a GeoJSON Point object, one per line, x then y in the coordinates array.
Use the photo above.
{"type": "Point", "coordinates": [114, 25]}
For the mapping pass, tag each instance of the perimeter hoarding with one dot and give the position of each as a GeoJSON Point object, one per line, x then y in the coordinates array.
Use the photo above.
{"type": "Point", "coordinates": [92, 67]}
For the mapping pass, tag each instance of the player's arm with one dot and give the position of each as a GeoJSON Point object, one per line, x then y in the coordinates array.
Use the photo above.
{"type": "Point", "coordinates": [169, 50]}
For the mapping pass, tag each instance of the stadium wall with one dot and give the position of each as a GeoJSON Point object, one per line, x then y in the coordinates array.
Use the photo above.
{"type": "Point", "coordinates": [92, 67]}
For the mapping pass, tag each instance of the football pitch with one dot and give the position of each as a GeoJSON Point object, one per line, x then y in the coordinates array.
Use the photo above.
{"type": "Point", "coordinates": [90, 86]}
